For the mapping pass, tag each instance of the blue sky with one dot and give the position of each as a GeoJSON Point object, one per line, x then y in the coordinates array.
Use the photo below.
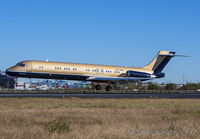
{"type": "Point", "coordinates": [113, 32]}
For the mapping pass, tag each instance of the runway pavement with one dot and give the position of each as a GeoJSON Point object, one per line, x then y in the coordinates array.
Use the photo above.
{"type": "Point", "coordinates": [141, 95]}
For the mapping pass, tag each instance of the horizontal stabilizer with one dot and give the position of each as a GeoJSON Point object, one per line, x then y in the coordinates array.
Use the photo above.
{"type": "Point", "coordinates": [182, 56]}
{"type": "Point", "coordinates": [173, 55]}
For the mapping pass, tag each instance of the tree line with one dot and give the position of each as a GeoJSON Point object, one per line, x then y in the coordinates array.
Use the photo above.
{"type": "Point", "coordinates": [169, 86]}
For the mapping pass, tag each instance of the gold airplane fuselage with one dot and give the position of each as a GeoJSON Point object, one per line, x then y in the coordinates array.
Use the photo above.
{"type": "Point", "coordinates": [91, 72]}
{"type": "Point", "coordinates": [74, 69]}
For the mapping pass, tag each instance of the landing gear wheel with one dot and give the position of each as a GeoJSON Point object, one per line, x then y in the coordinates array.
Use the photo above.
{"type": "Point", "coordinates": [108, 88]}
{"type": "Point", "coordinates": [98, 87]}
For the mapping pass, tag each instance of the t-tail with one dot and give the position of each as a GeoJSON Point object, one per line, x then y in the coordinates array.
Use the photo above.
{"type": "Point", "coordinates": [159, 63]}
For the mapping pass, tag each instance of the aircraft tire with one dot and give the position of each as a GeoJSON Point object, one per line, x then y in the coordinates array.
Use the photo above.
{"type": "Point", "coordinates": [108, 88]}
{"type": "Point", "coordinates": [98, 87]}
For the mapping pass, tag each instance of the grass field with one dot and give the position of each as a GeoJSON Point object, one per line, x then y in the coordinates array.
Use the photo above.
{"type": "Point", "coordinates": [40, 118]}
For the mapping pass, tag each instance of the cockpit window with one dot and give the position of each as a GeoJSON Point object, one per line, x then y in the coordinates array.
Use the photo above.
{"type": "Point", "coordinates": [21, 64]}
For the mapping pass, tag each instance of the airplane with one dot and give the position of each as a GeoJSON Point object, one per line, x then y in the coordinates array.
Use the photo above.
{"type": "Point", "coordinates": [93, 73]}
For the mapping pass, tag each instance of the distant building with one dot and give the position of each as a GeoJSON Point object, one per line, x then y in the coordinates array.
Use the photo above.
{"type": "Point", "coordinates": [20, 85]}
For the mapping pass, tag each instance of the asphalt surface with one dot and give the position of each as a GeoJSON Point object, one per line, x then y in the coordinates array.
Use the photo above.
{"type": "Point", "coordinates": [169, 96]}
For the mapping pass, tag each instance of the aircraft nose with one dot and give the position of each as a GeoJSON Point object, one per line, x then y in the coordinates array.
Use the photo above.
{"type": "Point", "coordinates": [7, 71]}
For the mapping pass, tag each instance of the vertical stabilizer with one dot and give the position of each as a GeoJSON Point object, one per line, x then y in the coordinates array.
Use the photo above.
{"type": "Point", "coordinates": [159, 63]}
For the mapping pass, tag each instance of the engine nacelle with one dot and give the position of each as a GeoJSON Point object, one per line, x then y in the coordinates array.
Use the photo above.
{"type": "Point", "coordinates": [159, 75]}
{"type": "Point", "coordinates": [138, 74]}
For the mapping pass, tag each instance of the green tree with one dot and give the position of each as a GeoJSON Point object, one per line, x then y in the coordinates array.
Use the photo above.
{"type": "Point", "coordinates": [190, 86]}
{"type": "Point", "coordinates": [153, 87]}
{"type": "Point", "coordinates": [170, 86]}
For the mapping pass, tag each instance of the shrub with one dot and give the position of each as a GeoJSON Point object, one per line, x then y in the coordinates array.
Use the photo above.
{"type": "Point", "coordinates": [190, 86]}
{"type": "Point", "coordinates": [170, 86]}
{"type": "Point", "coordinates": [153, 87]}
{"type": "Point", "coordinates": [58, 126]}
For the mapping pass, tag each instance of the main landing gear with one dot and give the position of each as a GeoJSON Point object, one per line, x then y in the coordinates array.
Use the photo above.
{"type": "Point", "coordinates": [99, 87]}
{"type": "Point", "coordinates": [108, 88]}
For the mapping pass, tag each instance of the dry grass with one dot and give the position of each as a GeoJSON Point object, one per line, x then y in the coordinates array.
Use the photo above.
{"type": "Point", "coordinates": [100, 118]}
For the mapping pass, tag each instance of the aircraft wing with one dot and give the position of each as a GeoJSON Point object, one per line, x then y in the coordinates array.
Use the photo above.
{"type": "Point", "coordinates": [104, 79]}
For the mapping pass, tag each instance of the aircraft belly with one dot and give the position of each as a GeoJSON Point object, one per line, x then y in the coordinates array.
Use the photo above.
{"type": "Point", "coordinates": [48, 76]}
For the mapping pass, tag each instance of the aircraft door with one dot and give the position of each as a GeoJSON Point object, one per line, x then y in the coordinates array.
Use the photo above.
{"type": "Point", "coordinates": [29, 67]}
{"type": "Point", "coordinates": [97, 71]}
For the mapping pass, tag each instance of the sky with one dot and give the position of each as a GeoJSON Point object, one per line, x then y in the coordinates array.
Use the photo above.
{"type": "Point", "coordinates": [109, 32]}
